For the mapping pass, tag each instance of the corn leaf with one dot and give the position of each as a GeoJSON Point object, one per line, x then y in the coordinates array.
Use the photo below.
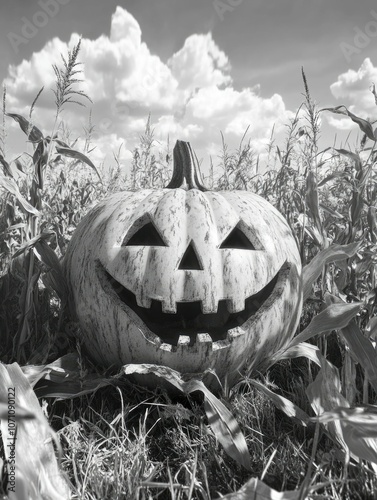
{"type": "Point", "coordinates": [352, 156]}
{"type": "Point", "coordinates": [21, 412]}
{"type": "Point", "coordinates": [357, 205]}
{"type": "Point", "coordinates": [333, 317]}
{"type": "Point", "coordinates": [220, 419]}
{"type": "Point", "coordinates": [63, 379]}
{"type": "Point", "coordinates": [339, 110]}
{"type": "Point", "coordinates": [72, 387]}
{"type": "Point", "coordinates": [33, 133]}
{"type": "Point", "coordinates": [8, 168]}
{"type": "Point", "coordinates": [72, 153]}
{"type": "Point", "coordinates": [32, 242]}
{"type": "Point", "coordinates": [330, 177]}
{"type": "Point", "coordinates": [364, 418]}
{"type": "Point", "coordinates": [57, 371]}
{"type": "Point", "coordinates": [324, 395]}
{"type": "Point", "coordinates": [362, 350]}
{"type": "Point", "coordinates": [371, 328]}
{"type": "Point", "coordinates": [331, 254]}
{"type": "Point", "coordinates": [364, 125]}
{"type": "Point", "coordinates": [9, 185]}
{"type": "Point", "coordinates": [255, 489]}
{"type": "Point", "coordinates": [313, 205]}
{"type": "Point", "coordinates": [40, 158]}
{"type": "Point", "coordinates": [37, 471]}
{"type": "Point", "coordinates": [359, 426]}
{"type": "Point", "coordinates": [282, 403]}
{"type": "Point", "coordinates": [372, 221]}
{"type": "Point", "coordinates": [331, 211]}
{"type": "Point", "coordinates": [54, 278]}
{"type": "Point", "coordinates": [304, 350]}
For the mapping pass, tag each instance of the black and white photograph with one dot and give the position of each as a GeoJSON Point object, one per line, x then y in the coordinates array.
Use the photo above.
{"type": "Point", "coordinates": [188, 250]}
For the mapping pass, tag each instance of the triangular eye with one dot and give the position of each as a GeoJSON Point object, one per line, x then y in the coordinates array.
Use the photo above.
{"type": "Point", "coordinates": [237, 239]}
{"type": "Point", "coordinates": [146, 236]}
{"type": "Point", "coordinates": [190, 259]}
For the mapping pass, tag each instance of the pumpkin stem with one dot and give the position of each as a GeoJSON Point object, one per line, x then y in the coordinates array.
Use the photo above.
{"type": "Point", "coordinates": [186, 173]}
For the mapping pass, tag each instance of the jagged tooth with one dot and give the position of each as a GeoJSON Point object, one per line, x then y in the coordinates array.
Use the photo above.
{"type": "Point", "coordinates": [183, 343]}
{"type": "Point", "coordinates": [209, 306]}
{"type": "Point", "coordinates": [204, 338]}
{"type": "Point", "coordinates": [144, 302]}
{"type": "Point", "coordinates": [235, 305]}
{"type": "Point", "coordinates": [234, 333]}
{"type": "Point", "coordinates": [169, 307]}
{"type": "Point", "coordinates": [204, 342]}
{"type": "Point", "coordinates": [183, 340]}
{"type": "Point", "coordinates": [166, 347]}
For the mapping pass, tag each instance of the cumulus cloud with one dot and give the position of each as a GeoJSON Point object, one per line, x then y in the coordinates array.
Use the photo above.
{"type": "Point", "coordinates": [200, 63]}
{"type": "Point", "coordinates": [189, 97]}
{"type": "Point", "coordinates": [353, 89]}
{"type": "Point", "coordinates": [341, 123]}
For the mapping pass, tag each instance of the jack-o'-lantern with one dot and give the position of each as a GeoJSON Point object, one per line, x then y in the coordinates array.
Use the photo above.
{"type": "Point", "coordinates": [185, 277]}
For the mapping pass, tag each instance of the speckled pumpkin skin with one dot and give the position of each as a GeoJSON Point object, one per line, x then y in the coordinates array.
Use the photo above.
{"type": "Point", "coordinates": [114, 334]}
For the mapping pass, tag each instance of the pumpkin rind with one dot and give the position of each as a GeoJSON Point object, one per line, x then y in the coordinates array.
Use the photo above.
{"type": "Point", "coordinates": [105, 269]}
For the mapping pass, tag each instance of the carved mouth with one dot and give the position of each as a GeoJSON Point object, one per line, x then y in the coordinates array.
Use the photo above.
{"type": "Point", "coordinates": [189, 320]}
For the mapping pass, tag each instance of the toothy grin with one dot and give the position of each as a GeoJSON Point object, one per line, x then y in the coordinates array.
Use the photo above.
{"type": "Point", "coordinates": [189, 320]}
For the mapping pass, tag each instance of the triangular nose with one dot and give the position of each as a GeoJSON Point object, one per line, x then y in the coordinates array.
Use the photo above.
{"type": "Point", "coordinates": [190, 259]}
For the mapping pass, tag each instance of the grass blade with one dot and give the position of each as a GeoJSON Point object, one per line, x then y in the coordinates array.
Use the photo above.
{"type": "Point", "coordinates": [222, 422]}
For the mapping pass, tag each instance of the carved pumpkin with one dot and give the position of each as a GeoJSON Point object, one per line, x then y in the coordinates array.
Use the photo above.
{"type": "Point", "coordinates": [185, 277]}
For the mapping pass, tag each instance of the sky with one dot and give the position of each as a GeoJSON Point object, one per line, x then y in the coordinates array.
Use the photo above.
{"type": "Point", "coordinates": [198, 67]}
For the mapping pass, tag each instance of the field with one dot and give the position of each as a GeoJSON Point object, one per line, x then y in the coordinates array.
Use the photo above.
{"type": "Point", "coordinates": [305, 427]}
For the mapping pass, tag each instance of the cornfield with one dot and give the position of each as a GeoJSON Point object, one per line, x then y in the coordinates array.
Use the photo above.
{"type": "Point", "coordinates": [304, 428]}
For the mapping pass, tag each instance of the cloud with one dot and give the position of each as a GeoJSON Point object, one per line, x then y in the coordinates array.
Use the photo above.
{"type": "Point", "coordinates": [191, 96]}
{"type": "Point", "coordinates": [200, 63]}
{"type": "Point", "coordinates": [341, 123]}
{"type": "Point", "coordinates": [353, 88]}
